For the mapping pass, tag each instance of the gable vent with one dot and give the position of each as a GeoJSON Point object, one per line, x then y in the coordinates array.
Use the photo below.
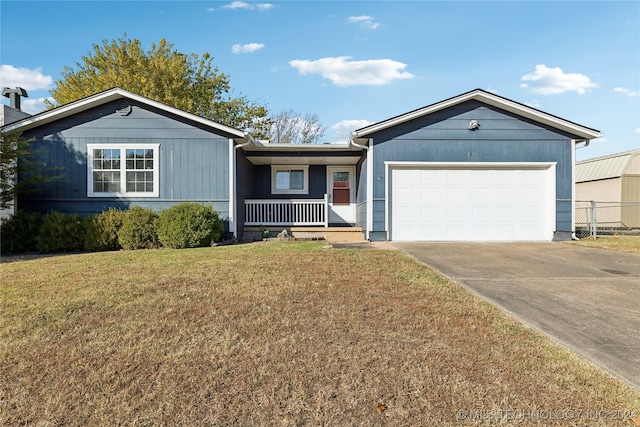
{"type": "Point", "coordinates": [123, 108]}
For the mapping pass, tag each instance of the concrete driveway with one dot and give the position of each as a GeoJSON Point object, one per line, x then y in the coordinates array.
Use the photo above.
{"type": "Point", "coordinates": [586, 299]}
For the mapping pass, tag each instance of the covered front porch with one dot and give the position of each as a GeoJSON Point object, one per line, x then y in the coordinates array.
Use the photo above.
{"type": "Point", "coordinates": [308, 190]}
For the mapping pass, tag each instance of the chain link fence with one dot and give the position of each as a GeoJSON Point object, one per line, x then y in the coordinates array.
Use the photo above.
{"type": "Point", "coordinates": [607, 218]}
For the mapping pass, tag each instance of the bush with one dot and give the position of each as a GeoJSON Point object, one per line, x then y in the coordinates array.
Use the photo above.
{"type": "Point", "coordinates": [189, 225]}
{"type": "Point", "coordinates": [18, 233]}
{"type": "Point", "coordinates": [101, 231]}
{"type": "Point", "coordinates": [138, 229]}
{"type": "Point", "coordinates": [61, 232]}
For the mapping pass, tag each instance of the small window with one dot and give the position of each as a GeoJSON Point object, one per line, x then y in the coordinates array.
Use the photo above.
{"type": "Point", "coordinates": [124, 170]}
{"type": "Point", "coordinates": [289, 179]}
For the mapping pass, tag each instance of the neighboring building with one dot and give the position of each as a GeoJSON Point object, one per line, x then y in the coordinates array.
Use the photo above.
{"type": "Point", "coordinates": [613, 182]}
{"type": "Point", "coordinates": [473, 167]}
{"type": "Point", "coordinates": [9, 115]}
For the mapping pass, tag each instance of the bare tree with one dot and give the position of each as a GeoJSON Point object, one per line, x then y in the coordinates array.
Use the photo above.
{"type": "Point", "coordinates": [290, 127]}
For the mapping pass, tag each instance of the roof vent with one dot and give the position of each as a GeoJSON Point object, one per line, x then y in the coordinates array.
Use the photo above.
{"type": "Point", "coordinates": [14, 96]}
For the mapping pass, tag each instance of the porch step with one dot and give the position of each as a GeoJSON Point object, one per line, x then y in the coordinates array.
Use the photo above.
{"type": "Point", "coordinates": [330, 234]}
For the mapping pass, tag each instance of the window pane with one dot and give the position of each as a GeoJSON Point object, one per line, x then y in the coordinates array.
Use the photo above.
{"type": "Point", "coordinates": [282, 180]}
{"type": "Point", "coordinates": [98, 154]}
{"type": "Point", "coordinates": [106, 182]}
{"type": "Point", "coordinates": [106, 159]}
{"type": "Point", "coordinates": [139, 167]}
{"type": "Point", "coordinates": [140, 182]}
{"type": "Point", "coordinates": [296, 180]}
{"type": "Point", "coordinates": [341, 177]}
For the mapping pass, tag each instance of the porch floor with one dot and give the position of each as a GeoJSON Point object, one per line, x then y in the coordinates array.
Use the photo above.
{"type": "Point", "coordinates": [330, 234]}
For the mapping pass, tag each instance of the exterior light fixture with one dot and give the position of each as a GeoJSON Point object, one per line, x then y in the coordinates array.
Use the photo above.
{"type": "Point", "coordinates": [474, 125]}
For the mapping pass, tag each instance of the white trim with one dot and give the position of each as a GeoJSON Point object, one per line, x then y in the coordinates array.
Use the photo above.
{"type": "Point", "coordinates": [108, 96]}
{"type": "Point", "coordinates": [573, 188]}
{"type": "Point", "coordinates": [387, 200]}
{"type": "Point", "coordinates": [344, 212]}
{"type": "Point", "coordinates": [370, 182]}
{"type": "Point", "coordinates": [550, 216]}
{"type": "Point", "coordinates": [352, 181]}
{"type": "Point", "coordinates": [276, 168]}
{"type": "Point", "coordinates": [470, 165]}
{"type": "Point", "coordinates": [490, 99]}
{"type": "Point", "coordinates": [123, 180]}
{"type": "Point", "coordinates": [232, 189]}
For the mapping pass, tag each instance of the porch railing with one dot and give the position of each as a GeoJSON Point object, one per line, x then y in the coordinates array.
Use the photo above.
{"type": "Point", "coordinates": [292, 212]}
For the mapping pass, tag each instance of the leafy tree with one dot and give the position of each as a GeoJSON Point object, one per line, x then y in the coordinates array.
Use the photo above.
{"type": "Point", "coordinates": [290, 127]}
{"type": "Point", "coordinates": [188, 82]}
{"type": "Point", "coordinates": [16, 157]}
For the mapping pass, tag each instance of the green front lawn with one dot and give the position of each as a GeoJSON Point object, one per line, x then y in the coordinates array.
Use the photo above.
{"type": "Point", "coordinates": [274, 334]}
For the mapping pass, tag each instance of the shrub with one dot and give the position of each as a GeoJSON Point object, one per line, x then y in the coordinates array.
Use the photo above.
{"type": "Point", "coordinates": [61, 232]}
{"type": "Point", "coordinates": [189, 225]}
{"type": "Point", "coordinates": [101, 231]}
{"type": "Point", "coordinates": [138, 230]}
{"type": "Point", "coordinates": [18, 233]}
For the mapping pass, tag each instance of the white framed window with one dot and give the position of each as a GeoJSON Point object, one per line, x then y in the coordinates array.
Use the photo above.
{"type": "Point", "coordinates": [289, 179]}
{"type": "Point", "coordinates": [123, 170]}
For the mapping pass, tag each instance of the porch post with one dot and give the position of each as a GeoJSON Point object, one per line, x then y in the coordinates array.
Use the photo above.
{"type": "Point", "coordinates": [326, 210]}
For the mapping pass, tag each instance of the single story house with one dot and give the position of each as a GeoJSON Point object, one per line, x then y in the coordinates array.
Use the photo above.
{"type": "Point", "coordinates": [613, 182]}
{"type": "Point", "coordinates": [477, 166]}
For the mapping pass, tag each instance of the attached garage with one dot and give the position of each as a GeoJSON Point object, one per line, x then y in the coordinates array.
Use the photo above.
{"type": "Point", "coordinates": [475, 167]}
{"type": "Point", "coordinates": [464, 202]}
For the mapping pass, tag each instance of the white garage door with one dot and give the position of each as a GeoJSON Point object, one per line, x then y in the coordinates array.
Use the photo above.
{"type": "Point", "coordinates": [478, 203]}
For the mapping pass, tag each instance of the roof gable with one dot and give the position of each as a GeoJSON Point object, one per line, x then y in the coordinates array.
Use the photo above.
{"type": "Point", "coordinates": [583, 132]}
{"type": "Point", "coordinates": [101, 98]}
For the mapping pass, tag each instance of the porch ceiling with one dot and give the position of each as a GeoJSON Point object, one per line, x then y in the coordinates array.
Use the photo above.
{"type": "Point", "coordinates": [303, 160]}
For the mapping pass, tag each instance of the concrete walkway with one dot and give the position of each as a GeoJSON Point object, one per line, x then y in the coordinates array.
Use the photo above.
{"type": "Point", "coordinates": [586, 299]}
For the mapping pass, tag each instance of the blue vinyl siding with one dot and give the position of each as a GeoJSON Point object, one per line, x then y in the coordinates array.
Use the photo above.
{"type": "Point", "coordinates": [193, 161]}
{"type": "Point", "coordinates": [503, 137]}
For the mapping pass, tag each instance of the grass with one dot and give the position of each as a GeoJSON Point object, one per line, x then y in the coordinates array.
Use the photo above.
{"type": "Point", "coordinates": [276, 334]}
{"type": "Point", "coordinates": [630, 244]}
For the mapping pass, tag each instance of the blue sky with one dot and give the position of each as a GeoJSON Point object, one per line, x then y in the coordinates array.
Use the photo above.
{"type": "Point", "coordinates": [359, 62]}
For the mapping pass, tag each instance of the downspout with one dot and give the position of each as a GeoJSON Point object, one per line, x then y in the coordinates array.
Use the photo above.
{"type": "Point", "coordinates": [369, 180]}
{"type": "Point", "coordinates": [352, 142]}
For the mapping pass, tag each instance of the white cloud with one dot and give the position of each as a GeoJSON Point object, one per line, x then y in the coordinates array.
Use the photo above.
{"type": "Point", "coordinates": [364, 21]}
{"type": "Point", "coordinates": [637, 130]}
{"type": "Point", "coordinates": [246, 48]}
{"type": "Point", "coordinates": [33, 106]}
{"type": "Point", "coordinates": [342, 72]}
{"type": "Point", "coordinates": [552, 81]}
{"type": "Point", "coordinates": [534, 104]}
{"type": "Point", "coordinates": [625, 91]}
{"type": "Point", "coordinates": [343, 129]}
{"type": "Point", "coordinates": [25, 78]}
{"type": "Point", "coordinates": [247, 6]}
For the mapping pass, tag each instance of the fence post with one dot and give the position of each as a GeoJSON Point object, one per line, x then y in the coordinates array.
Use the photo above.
{"type": "Point", "coordinates": [594, 222]}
